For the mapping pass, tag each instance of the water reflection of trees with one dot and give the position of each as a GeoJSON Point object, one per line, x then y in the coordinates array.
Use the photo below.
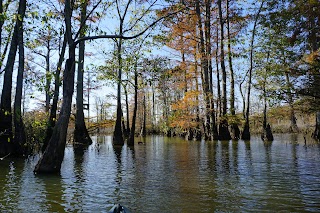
{"type": "Point", "coordinates": [10, 183]}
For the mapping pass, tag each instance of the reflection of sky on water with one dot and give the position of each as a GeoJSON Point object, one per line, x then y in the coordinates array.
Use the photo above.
{"type": "Point", "coordinates": [170, 175]}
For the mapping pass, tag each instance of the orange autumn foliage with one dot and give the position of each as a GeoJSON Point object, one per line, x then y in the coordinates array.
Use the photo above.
{"type": "Point", "coordinates": [184, 115]}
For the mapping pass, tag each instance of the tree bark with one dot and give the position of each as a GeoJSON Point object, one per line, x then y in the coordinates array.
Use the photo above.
{"type": "Point", "coordinates": [6, 141]}
{"type": "Point", "coordinates": [224, 133]}
{"type": "Point", "coordinates": [235, 131]}
{"type": "Point", "coordinates": [293, 120]}
{"type": "Point", "coordinates": [126, 129]}
{"type": "Point", "coordinates": [246, 130]}
{"type": "Point", "coordinates": [218, 114]}
{"type": "Point", "coordinates": [54, 107]}
{"type": "Point", "coordinates": [19, 132]}
{"type": "Point", "coordinates": [135, 107]}
{"type": "Point", "coordinates": [52, 158]}
{"type": "Point", "coordinates": [143, 132]}
{"type": "Point", "coordinates": [48, 78]}
{"type": "Point", "coordinates": [118, 133]}
{"type": "Point", "coordinates": [267, 132]}
{"type": "Point", "coordinates": [81, 135]}
{"type": "Point", "coordinates": [210, 120]}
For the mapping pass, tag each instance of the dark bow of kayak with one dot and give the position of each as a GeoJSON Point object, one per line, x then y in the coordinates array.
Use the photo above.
{"type": "Point", "coordinates": [119, 209]}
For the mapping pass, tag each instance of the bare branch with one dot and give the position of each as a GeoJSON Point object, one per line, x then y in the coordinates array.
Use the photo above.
{"type": "Point", "coordinates": [126, 37]}
{"type": "Point", "coordinates": [141, 17]}
{"type": "Point", "coordinates": [83, 23]}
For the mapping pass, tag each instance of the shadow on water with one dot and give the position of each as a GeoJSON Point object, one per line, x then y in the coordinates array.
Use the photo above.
{"type": "Point", "coordinates": [80, 155]}
{"type": "Point", "coordinates": [52, 191]}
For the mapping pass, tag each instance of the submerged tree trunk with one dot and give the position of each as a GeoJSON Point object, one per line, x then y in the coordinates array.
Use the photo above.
{"type": "Point", "coordinates": [54, 107]}
{"type": "Point", "coordinates": [19, 132]}
{"type": "Point", "coordinates": [293, 120]}
{"type": "Point", "coordinates": [246, 129]}
{"type": "Point", "coordinates": [118, 133]}
{"type": "Point", "coordinates": [209, 120]}
{"type": "Point", "coordinates": [218, 76]}
{"type": "Point", "coordinates": [81, 135]}
{"type": "Point", "coordinates": [7, 145]}
{"type": "Point", "coordinates": [197, 133]}
{"type": "Point", "coordinates": [224, 133]}
{"type": "Point", "coordinates": [53, 155]}
{"type": "Point", "coordinates": [126, 127]}
{"type": "Point", "coordinates": [52, 158]}
{"type": "Point", "coordinates": [213, 125]}
{"type": "Point", "coordinates": [235, 131]}
{"type": "Point", "coordinates": [135, 107]}
{"type": "Point", "coordinates": [267, 132]}
{"type": "Point", "coordinates": [143, 132]}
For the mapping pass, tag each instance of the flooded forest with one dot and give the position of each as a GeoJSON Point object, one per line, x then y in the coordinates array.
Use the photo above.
{"type": "Point", "coordinates": [171, 106]}
{"type": "Point", "coordinates": [191, 75]}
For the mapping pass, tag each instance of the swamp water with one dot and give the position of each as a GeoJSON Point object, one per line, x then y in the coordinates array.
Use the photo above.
{"type": "Point", "coordinates": [171, 175]}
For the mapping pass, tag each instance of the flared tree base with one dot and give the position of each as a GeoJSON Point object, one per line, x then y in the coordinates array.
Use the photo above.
{"type": "Point", "coordinates": [224, 133]}
{"type": "Point", "coordinates": [235, 131]}
{"type": "Point", "coordinates": [81, 136]}
{"type": "Point", "coordinates": [267, 134]}
{"type": "Point", "coordinates": [246, 132]}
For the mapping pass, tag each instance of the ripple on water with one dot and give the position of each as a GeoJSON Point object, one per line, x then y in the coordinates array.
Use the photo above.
{"type": "Point", "coordinates": [170, 175]}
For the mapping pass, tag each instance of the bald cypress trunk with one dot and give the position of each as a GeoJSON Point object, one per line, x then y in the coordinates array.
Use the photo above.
{"type": "Point", "coordinates": [52, 158]}
{"type": "Point", "coordinates": [54, 106]}
{"type": "Point", "coordinates": [7, 145]}
{"type": "Point", "coordinates": [19, 132]}
{"type": "Point", "coordinates": [235, 131]}
{"type": "Point", "coordinates": [134, 114]}
{"type": "Point", "coordinates": [81, 135]}
{"type": "Point", "coordinates": [224, 133]}
{"type": "Point", "coordinates": [246, 129]}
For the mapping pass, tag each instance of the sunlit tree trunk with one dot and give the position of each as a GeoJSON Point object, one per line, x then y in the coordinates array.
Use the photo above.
{"type": "Point", "coordinates": [234, 126]}
{"type": "Point", "coordinates": [52, 158]}
{"type": "Point", "coordinates": [224, 133]}
{"type": "Point", "coordinates": [246, 129]}
{"type": "Point", "coordinates": [209, 120]}
{"type": "Point", "coordinates": [267, 132]}
{"type": "Point", "coordinates": [207, 26]}
{"type": "Point", "coordinates": [54, 106]}
{"type": "Point", "coordinates": [197, 134]}
{"type": "Point", "coordinates": [81, 135]}
{"type": "Point", "coordinates": [118, 129]}
{"type": "Point", "coordinates": [143, 132]}
{"type": "Point", "coordinates": [135, 107]}
{"type": "Point", "coordinates": [218, 114]}
{"type": "Point", "coordinates": [127, 128]}
{"type": "Point", "coordinates": [118, 133]}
